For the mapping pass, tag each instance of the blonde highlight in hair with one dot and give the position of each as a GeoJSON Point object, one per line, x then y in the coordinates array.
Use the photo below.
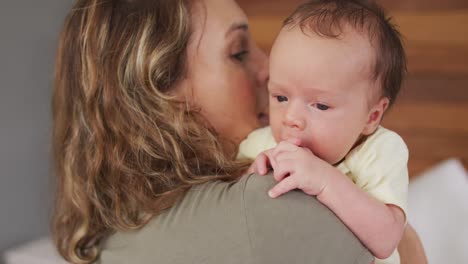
{"type": "Point", "coordinates": [124, 149]}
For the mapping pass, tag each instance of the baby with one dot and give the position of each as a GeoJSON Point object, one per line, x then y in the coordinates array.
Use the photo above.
{"type": "Point", "coordinates": [335, 68]}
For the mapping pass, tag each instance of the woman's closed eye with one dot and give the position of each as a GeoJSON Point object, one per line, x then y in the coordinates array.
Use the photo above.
{"type": "Point", "coordinates": [239, 46]}
{"type": "Point", "coordinates": [240, 56]}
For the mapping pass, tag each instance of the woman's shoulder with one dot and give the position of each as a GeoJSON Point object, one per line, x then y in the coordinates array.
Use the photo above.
{"type": "Point", "coordinates": [298, 226]}
{"type": "Point", "coordinates": [206, 226]}
{"type": "Point", "coordinates": [236, 222]}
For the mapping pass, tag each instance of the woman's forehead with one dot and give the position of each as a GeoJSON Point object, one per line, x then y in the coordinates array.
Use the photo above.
{"type": "Point", "coordinates": [217, 15]}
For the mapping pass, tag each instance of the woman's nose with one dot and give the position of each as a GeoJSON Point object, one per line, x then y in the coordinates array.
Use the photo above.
{"type": "Point", "coordinates": [260, 69]}
{"type": "Point", "coordinates": [261, 66]}
{"type": "Point", "coordinates": [263, 73]}
{"type": "Point", "coordinates": [294, 119]}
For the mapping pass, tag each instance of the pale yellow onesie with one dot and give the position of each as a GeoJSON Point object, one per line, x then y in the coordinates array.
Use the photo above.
{"type": "Point", "coordinates": [378, 166]}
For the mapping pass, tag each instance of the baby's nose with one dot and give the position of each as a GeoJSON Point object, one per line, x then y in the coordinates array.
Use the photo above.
{"type": "Point", "coordinates": [294, 120]}
{"type": "Point", "coordinates": [295, 123]}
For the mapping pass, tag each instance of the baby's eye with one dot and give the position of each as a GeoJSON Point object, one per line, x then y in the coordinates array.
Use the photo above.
{"type": "Point", "coordinates": [322, 107]}
{"type": "Point", "coordinates": [281, 98]}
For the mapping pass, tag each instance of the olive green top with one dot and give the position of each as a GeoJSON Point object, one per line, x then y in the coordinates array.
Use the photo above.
{"type": "Point", "coordinates": [224, 223]}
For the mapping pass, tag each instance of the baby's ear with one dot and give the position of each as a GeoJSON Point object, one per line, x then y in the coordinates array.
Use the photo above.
{"type": "Point", "coordinates": [375, 116]}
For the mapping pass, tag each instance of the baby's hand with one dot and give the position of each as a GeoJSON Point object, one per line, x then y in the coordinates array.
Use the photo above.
{"type": "Point", "coordinates": [262, 163]}
{"type": "Point", "coordinates": [296, 167]}
{"type": "Point", "coordinates": [265, 160]}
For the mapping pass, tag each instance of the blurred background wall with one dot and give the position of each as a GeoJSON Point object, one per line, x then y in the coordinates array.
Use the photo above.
{"type": "Point", "coordinates": [431, 113]}
{"type": "Point", "coordinates": [28, 35]}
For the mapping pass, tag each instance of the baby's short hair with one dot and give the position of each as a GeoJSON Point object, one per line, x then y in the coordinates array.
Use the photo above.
{"type": "Point", "coordinates": [328, 17]}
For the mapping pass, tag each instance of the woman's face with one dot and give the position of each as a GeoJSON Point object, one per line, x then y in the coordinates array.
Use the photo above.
{"type": "Point", "coordinates": [227, 72]}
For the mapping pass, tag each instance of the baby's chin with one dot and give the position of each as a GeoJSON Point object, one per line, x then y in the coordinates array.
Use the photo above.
{"type": "Point", "coordinates": [331, 160]}
{"type": "Point", "coordinates": [336, 160]}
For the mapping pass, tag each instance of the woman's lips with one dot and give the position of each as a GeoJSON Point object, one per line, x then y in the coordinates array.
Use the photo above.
{"type": "Point", "coordinates": [264, 119]}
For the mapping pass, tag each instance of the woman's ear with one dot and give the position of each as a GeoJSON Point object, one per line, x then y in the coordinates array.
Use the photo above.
{"type": "Point", "coordinates": [375, 116]}
{"type": "Point", "coordinates": [182, 90]}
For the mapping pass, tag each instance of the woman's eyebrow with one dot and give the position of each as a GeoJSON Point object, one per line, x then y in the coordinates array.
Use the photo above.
{"type": "Point", "coordinates": [237, 26]}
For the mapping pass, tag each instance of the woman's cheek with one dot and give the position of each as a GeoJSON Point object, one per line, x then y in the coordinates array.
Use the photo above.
{"type": "Point", "coordinates": [245, 93]}
{"type": "Point", "coordinates": [245, 84]}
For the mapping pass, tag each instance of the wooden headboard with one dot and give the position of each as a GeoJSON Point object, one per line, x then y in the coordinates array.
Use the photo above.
{"type": "Point", "coordinates": [431, 113]}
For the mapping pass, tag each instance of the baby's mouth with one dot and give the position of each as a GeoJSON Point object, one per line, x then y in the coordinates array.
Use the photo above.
{"type": "Point", "coordinates": [264, 119]}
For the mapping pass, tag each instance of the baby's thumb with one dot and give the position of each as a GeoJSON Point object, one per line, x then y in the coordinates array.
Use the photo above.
{"type": "Point", "coordinates": [295, 141]}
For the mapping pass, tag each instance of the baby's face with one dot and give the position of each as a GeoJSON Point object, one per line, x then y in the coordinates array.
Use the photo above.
{"type": "Point", "coordinates": [321, 91]}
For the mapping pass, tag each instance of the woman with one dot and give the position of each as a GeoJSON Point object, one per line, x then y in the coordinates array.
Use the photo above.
{"type": "Point", "coordinates": [150, 100]}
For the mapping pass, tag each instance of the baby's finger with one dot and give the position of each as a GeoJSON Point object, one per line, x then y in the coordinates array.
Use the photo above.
{"type": "Point", "coordinates": [282, 170]}
{"type": "Point", "coordinates": [283, 146]}
{"type": "Point", "coordinates": [286, 157]}
{"type": "Point", "coordinates": [280, 173]}
{"type": "Point", "coordinates": [286, 185]}
{"type": "Point", "coordinates": [271, 162]}
{"type": "Point", "coordinates": [261, 164]}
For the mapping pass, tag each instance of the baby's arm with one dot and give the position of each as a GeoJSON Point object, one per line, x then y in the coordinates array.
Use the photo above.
{"type": "Point", "coordinates": [377, 225]}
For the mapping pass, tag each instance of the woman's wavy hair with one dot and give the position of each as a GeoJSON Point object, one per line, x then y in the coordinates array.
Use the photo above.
{"type": "Point", "coordinates": [124, 149]}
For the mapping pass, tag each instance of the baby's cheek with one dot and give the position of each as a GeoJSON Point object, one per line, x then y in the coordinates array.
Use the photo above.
{"type": "Point", "coordinates": [337, 152]}
{"type": "Point", "coordinates": [275, 124]}
{"type": "Point", "coordinates": [322, 145]}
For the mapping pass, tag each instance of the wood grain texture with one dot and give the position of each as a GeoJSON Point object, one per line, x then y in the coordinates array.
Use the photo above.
{"type": "Point", "coordinates": [281, 6]}
{"type": "Point", "coordinates": [431, 113]}
{"type": "Point", "coordinates": [423, 5]}
{"type": "Point", "coordinates": [436, 42]}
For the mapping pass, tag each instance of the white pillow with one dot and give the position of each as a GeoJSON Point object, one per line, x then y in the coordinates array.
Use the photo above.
{"type": "Point", "coordinates": [438, 210]}
{"type": "Point", "coordinates": [36, 252]}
